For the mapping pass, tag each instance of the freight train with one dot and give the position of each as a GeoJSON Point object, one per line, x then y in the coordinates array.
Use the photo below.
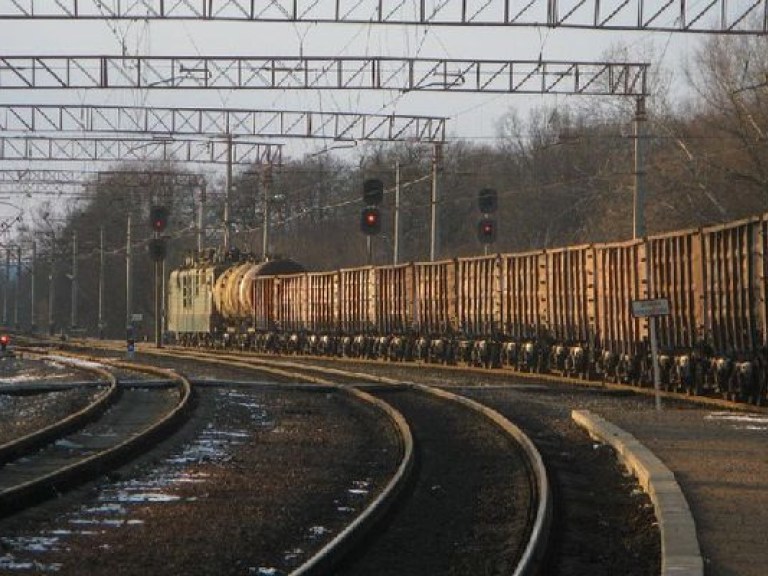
{"type": "Point", "coordinates": [565, 309]}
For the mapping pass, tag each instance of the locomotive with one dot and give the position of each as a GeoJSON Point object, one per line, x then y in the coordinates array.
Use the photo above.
{"type": "Point", "coordinates": [566, 309]}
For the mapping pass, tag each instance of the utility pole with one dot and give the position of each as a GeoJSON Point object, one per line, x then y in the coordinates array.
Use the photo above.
{"type": "Point", "coordinates": [18, 288]}
{"type": "Point", "coordinates": [396, 231]}
{"type": "Point", "coordinates": [7, 284]}
{"type": "Point", "coordinates": [265, 231]}
{"type": "Point", "coordinates": [52, 287]}
{"type": "Point", "coordinates": [436, 157]}
{"type": "Point", "coordinates": [128, 286]}
{"type": "Point", "coordinates": [101, 282]}
{"type": "Point", "coordinates": [228, 194]}
{"type": "Point", "coordinates": [639, 196]}
{"type": "Point", "coordinates": [32, 289]}
{"type": "Point", "coordinates": [158, 300]}
{"type": "Point", "coordinates": [73, 319]}
{"type": "Point", "coordinates": [201, 220]}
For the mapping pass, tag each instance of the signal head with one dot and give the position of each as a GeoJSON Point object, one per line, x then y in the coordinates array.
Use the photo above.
{"type": "Point", "coordinates": [370, 221]}
{"type": "Point", "coordinates": [373, 192]}
{"type": "Point", "coordinates": [487, 201]}
{"type": "Point", "coordinates": [158, 218]}
{"type": "Point", "coordinates": [486, 231]}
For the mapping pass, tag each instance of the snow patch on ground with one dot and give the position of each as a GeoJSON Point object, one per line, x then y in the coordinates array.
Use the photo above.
{"type": "Point", "coordinates": [745, 421]}
{"type": "Point", "coordinates": [117, 501]}
{"type": "Point", "coordinates": [67, 361]}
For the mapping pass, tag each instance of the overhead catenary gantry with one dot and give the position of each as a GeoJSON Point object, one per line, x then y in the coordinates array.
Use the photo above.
{"type": "Point", "coordinates": [340, 126]}
{"type": "Point", "coordinates": [324, 73]}
{"type": "Point", "coordinates": [213, 151]}
{"type": "Point", "coordinates": [52, 175]}
{"type": "Point", "coordinates": [52, 182]}
{"type": "Point", "coordinates": [713, 16]}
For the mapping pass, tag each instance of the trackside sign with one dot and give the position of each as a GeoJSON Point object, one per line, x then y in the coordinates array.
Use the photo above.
{"type": "Point", "coordinates": [646, 308]}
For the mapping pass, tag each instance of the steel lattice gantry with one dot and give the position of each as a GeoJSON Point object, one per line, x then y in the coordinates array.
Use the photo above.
{"type": "Point", "coordinates": [338, 126]}
{"type": "Point", "coordinates": [715, 16]}
{"type": "Point", "coordinates": [334, 73]}
{"type": "Point", "coordinates": [71, 183]}
{"type": "Point", "coordinates": [136, 149]}
{"type": "Point", "coordinates": [51, 175]}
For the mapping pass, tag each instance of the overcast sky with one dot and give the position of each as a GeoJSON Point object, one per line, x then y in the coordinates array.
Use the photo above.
{"type": "Point", "coordinates": [472, 116]}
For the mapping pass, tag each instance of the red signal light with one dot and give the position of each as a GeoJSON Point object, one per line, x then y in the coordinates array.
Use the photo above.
{"type": "Point", "coordinates": [486, 231]}
{"type": "Point", "coordinates": [158, 216]}
{"type": "Point", "coordinates": [4, 341]}
{"type": "Point", "coordinates": [370, 221]}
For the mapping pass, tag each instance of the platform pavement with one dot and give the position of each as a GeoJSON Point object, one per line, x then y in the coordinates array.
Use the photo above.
{"type": "Point", "coordinates": [720, 461]}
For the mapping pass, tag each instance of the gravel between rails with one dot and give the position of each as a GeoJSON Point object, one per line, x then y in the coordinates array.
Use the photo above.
{"type": "Point", "coordinates": [27, 412]}
{"type": "Point", "coordinates": [470, 508]}
{"type": "Point", "coordinates": [256, 480]}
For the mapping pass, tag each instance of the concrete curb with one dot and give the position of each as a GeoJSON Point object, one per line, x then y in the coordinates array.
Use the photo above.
{"type": "Point", "coordinates": [680, 552]}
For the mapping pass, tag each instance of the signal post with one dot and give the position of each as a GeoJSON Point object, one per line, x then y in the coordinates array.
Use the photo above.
{"type": "Point", "coordinates": [158, 216]}
{"type": "Point", "coordinates": [370, 217]}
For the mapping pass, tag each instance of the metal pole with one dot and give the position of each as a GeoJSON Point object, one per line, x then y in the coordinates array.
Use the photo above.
{"type": "Point", "coordinates": [655, 362]}
{"type": "Point", "coordinates": [51, 288]}
{"type": "Point", "coordinates": [639, 199]}
{"type": "Point", "coordinates": [7, 284]}
{"type": "Point", "coordinates": [396, 232]}
{"type": "Point", "coordinates": [32, 288]}
{"type": "Point", "coordinates": [201, 221]}
{"type": "Point", "coordinates": [369, 249]}
{"type": "Point", "coordinates": [73, 319]}
{"type": "Point", "coordinates": [433, 202]}
{"type": "Point", "coordinates": [17, 293]}
{"type": "Point", "coordinates": [128, 287]}
{"type": "Point", "coordinates": [101, 282]}
{"type": "Point", "coordinates": [163, 292]}
{"type": "Point", "coordinates": [228, 193]}
{"type": "Point", "coordinates": [158, 300]}
{"type": "Point", "coordinates": [265, 231]}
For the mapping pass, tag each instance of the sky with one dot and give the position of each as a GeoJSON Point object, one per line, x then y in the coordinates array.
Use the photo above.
{"type": "Point", "coordinates": [471, 116]}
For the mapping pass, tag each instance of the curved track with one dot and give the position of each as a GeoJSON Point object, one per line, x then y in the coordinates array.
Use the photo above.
{"type": "Point", "coordinates": [472, 488]}
{"type": "Point", "coordinates": [117, 425]}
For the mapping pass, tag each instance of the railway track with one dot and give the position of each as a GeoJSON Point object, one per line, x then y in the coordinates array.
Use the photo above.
{"type": "Point", "coordinates": [120, 422]}
{"type": "Point", "coordinates": [582, 541]}
{"type": "Point", "coordinates": [470, 493]}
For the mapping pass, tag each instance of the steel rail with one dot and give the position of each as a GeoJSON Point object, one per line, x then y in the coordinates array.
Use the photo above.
{"type": "Point", "coordinates": [34, 440]}
{"type": "Point", "coordinates": [19, 495]}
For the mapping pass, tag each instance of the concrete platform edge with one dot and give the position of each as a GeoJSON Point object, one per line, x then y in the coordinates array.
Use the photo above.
{"type": "Point", "coordinates": [680, 551]}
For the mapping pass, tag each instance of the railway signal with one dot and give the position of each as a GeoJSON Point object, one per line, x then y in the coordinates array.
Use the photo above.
{"type": "Point", "coordinates": [487, 201]}
{"type": "Point", "coordinates": [486, 231]}
{"type": "Point", "coordinates": [4, 341]}
{"type": "Point", "coordinates": [158, 218]}
{"type": "Point", "coordinates": [373, 192]}
{"type": "Point", "coordinates": [370, 221]}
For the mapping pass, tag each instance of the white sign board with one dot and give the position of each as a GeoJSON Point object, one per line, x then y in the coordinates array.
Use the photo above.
{"type": "Point", "coordinates": [655, 307]}
{"type": "Point", "coordinates": [137, 317]}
